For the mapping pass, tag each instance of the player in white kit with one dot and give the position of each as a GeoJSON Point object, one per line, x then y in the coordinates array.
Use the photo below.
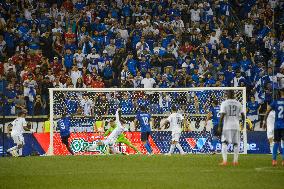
{"type": "Point", "coordinates": [111, 139]}
{"type": "Point", "coordinates": [176, 121]}
{"type": "Point", "coordinates": [230, 112]}
{"type": "Point", "coordinates": [19, 125]}
{"type": "Point", "coordinates": [270, 128]}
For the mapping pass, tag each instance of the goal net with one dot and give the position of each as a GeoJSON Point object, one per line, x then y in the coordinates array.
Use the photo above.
{"type": "Point", "coordinates": [90, 112]}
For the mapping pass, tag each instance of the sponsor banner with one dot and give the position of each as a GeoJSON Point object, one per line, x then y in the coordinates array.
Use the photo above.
{"type": "Point", "coordinates": [80, 143]}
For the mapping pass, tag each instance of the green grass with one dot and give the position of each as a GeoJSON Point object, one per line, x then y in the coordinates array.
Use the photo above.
{"type": "Point", "coordinates": [189, 171]}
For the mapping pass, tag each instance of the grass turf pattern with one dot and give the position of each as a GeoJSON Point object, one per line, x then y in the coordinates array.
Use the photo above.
{"type": "Point", "coordinates": [140, 171]}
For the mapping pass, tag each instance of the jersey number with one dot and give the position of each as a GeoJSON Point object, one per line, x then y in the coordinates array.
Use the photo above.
{"type": "Point", "coordinates": [62, 126]}
{"type": "Point", "coordinates": [281, 112]}
{"type": "Point", "coordinates": [232, 110]}
{"type": "Point", "coordinates": [145, 120]}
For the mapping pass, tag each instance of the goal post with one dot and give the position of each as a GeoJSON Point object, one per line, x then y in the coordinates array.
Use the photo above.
{"type": "Point", "coordinates": [194, 103]}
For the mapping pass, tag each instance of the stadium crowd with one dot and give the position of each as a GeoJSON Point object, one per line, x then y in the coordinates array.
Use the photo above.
{"type": "Point", "coordinates": [128, 43]}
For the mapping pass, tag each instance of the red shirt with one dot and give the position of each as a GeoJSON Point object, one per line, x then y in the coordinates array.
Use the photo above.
{"type": "Point", "coordinates": [98, 84]}
{"type": "Point", "coordinates": [1, 69]}
{"type": "Point", "coordinates": [56, 67]}
{"type": "Point", "coordinates": [32, 65]}
{"type": "Point", "coordinates": [88, 80]}
{"type": "Point", "coordinates": [69, 36]}
{"type": "Point", "coordinates": [63, 78]}
{"type": "Point", "coordinates": [68, 6]}
{"type": "Point", "coordinates": [186, 49]}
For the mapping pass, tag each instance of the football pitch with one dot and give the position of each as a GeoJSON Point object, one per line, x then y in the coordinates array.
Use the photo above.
{"type": "Point", "coordinates": [139, 171]}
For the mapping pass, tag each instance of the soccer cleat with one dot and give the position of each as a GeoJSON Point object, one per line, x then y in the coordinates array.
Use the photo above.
{"type": "Point", "coordinates": [168, 154]}
{"type": "Point", "coordinates": [224, 163]}
{"type": "Point", "coordinates": [235, 163]}
{"type": "Point", "coordinates": [274, 163]}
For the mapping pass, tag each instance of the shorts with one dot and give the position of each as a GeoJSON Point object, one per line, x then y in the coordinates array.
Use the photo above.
{"type": "Point", "coordinates": [230, 136]}
{"type": "Point", "coordinates": [176, 136]}
{"type": "Point", "coordinates": [64, 139]}
{"type": "Point", "coordinates": [110, 141]}
{"type": "Point", "coordinates": [278, 135]}
{"type": "Point", "coordinates": [145, 136]}
{"type": "Point", "coordinates": [270, 133]}
{"type": "Point", "coordinates": [18, 139]}
{"type": "Point", "coordinates": [215, 130]}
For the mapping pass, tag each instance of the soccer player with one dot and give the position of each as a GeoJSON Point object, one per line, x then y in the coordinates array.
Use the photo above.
{"type": "Point", "coordinates": [270, 121]}
{"type": "Point", "coordinates": [278, 107]}
{"type": "Point", "coordinates": [215, 116]}
{"type": "Point", "coordinates": [176, 121]}
{"type": "Point", "coordinates": [18, 127]}
{"type": "Point", "coordinates": [230, 112]}
{"type": "Point", "coordinates": [112, 138]}
{"type": "Point", "coordinates": [121, 138]}
{"type": "Point", "coordinates": [64, 124]}
{"type": "Point", "coordinates": [144, 120]}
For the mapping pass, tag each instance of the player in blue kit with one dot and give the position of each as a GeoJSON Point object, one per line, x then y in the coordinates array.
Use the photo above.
{"type": "Point", "coordinates": [64, 124]}
{"type": "Point", "coordinates": [278, 107]}
{"type": "Point", "coordinates": [214, 115]}
{"type": "Point", "coordinates": [144, 120]}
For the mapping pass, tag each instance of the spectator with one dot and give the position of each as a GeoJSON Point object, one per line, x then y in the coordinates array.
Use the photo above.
{"type": "Point", "coordinates": [148, 82]}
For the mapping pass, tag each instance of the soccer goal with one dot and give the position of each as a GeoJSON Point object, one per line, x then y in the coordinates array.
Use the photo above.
{"type": "Point", "coordinates": [90, 112]}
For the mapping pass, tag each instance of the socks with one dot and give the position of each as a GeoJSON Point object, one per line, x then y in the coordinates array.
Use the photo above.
{"type": "Point", "coordinates": [179, 148]}
{"type": "Point", "coordinates": [148, 147]}
{"type": "Point", "coordinates": [275, 149]}
{"type": "Point", "coordinates": [236, 153]}
{"type": "Point", "coordinates": [214, 144]}
{"type": "Point", "coordinates": [224, 152]}
{"type": "Point", "coordinates": [271, 147]}
{"type": "Point", "coordinates": [20, 151]}
{"type": "Point", "coordinates": [172, 148]}
{"type": "Point", "coordinates": [11, 149]}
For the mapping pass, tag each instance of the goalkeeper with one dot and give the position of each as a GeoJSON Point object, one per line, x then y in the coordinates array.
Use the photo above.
{"type": "Point", "coordinates": [121, 138]}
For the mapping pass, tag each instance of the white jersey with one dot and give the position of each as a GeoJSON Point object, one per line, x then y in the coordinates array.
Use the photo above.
{"type": "Point", "coordinates": [87, 106]}
{"type": "Point", "coordinates": [18, 126]}
{"type": "Point", "coordinates": [116, 132]}
{"type": "Point", "coordinates": [232, 110]}
{"type": "Point", "coordinates": [270, 124]}
{"type": "Point", "coordinates": [175, 120]}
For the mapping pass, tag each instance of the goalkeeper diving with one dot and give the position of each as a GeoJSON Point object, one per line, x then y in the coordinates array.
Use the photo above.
{"type": "Point", "coordinates": [121, 138]}
{"type": "Point", "coordinates": [114, 135]}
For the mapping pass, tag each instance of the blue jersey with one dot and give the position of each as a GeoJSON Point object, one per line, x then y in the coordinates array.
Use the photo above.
{"type": "Point", "coordinates": [144, 121]}
{"type": "Point", "coordinates": [215, 115]}
{"type": "Point", "coordinates": [64, 126]}
{"type": "Point", "coordinates": [278, 107]}
{"type": "Point", "coordinates": [252, 108]}
{"type": "Point", "coordinates": [71, 106]}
